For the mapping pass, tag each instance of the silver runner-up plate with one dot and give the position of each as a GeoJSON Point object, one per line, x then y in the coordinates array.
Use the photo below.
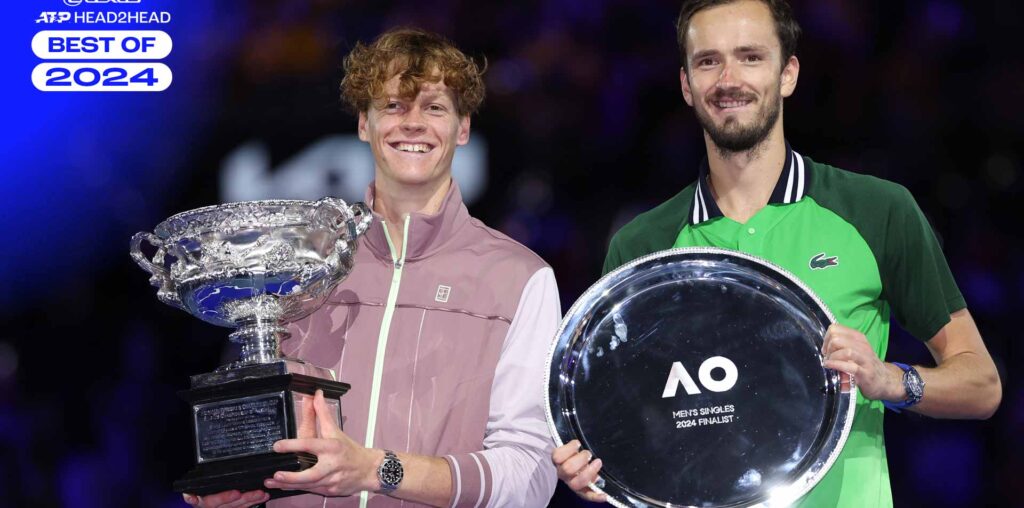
{"type": "Point", "coordinates": [696, 376]}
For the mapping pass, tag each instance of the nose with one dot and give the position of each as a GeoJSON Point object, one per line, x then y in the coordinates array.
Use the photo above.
{"type": "Point", "coordinates": [412, 121]}
{"type": "Point", "coordinates": [726, 79]}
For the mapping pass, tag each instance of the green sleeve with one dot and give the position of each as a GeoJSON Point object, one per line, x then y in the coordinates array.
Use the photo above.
{"type": "Point", "coordinates": [613, 259]}
{"type": "Point", "coordinates": [915, 276]}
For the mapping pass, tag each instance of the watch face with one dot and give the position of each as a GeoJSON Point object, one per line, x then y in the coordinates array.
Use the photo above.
{"type": "Point", "coordinates": [914, 384]}
{"type": "Point", "coordinates": [391, 472]}
{"type": "Point", "coordinates": [696, 376]}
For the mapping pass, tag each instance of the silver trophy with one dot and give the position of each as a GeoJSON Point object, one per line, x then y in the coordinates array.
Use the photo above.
{"type": "Point", "coordinates": [255, 267]}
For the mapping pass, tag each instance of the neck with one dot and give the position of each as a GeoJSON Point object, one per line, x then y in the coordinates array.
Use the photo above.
{"type": "Point", "coordinates": [394, 201]}
{"type": "Point", "coordinates": [742, 182]}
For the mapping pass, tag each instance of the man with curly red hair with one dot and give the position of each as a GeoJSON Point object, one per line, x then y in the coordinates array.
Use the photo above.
{"type": "Point", "coordinates": [442, 325]}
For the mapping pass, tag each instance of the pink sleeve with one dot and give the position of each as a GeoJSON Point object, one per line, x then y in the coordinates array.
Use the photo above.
{"type": "Point", "coordinates": [515, 468]}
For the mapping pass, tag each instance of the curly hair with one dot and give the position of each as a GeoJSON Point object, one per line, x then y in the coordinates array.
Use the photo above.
{"type": "Point", "coordinates": [417, 56]}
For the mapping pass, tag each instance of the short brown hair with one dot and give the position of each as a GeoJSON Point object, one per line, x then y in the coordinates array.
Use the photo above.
{"type": "Point", "coordinates": [418, 56]}
{"type": "Point", "coordinates": [786, 27]}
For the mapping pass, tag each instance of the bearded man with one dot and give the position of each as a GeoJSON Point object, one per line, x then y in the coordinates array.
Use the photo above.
{"type": "Point", "coordinates": [861, 243]}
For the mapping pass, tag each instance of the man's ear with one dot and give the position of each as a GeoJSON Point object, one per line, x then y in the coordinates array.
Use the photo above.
{"type": "Point", "coordinates": [362, 126]}
{"type": "Point", "coordinates": [685, 84]}
{"type": "Point", "coordinates": [463, 136]}
{"type": "Point", "coordinates": [790, 74]}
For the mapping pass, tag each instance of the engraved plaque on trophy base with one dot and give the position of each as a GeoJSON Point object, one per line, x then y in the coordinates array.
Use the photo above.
{"type": "Point", "coordinates": [238, 414]}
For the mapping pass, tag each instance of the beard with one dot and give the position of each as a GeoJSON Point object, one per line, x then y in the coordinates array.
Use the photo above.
{"type": "Point", "coordinates": [732, 136]}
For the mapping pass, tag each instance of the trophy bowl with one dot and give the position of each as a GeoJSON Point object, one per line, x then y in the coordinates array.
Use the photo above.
{"type": "Point", "coordinates": [253, 266]}
{"type": "Point", "coordinates": [696, 376]}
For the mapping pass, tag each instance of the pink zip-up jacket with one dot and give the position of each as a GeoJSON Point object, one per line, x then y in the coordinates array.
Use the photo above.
{"type": "Point", "coordinates": [465, 320]}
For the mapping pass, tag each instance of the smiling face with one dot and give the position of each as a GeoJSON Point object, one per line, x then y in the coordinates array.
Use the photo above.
{"type": "Point", "coordinates": [734, 82]}
{"type": "Point", "coordinates": [413, 140]}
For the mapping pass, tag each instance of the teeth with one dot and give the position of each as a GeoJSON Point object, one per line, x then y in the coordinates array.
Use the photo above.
{"type": "Point", "coordinates": [731, 104]}
{"type": "Point", "coordinates": [413, 147]}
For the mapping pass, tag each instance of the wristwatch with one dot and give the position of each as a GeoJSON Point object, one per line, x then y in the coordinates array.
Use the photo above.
{"type": "Point", "coordinates": [914, 386]}
{"type": "Point", "coordinates": [390, 472]}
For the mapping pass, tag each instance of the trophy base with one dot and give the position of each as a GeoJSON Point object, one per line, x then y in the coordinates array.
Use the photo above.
{"type": "Point", "coordinates": [238, 415]}
{"type": "Point", "coordinates": [243, 474]}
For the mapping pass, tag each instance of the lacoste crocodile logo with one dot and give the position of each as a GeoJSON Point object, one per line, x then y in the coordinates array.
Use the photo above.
{"type": "Point", "coordinates": [820, 262]}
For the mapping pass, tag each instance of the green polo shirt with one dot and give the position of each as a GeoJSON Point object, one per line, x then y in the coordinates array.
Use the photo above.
{"type": "Point", "coordinates": [861, 243]}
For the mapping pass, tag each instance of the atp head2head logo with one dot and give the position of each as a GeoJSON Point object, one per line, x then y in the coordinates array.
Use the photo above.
{"type": "Point", "coordinates": [76, 3]}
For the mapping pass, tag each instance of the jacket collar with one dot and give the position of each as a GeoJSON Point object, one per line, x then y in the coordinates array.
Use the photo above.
{"type": "Point", "coordinates": [791, 187]}
{"type": "Point", "coordinates": [427, 233]}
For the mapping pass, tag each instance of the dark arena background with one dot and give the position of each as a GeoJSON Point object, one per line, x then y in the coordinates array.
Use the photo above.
{"type": "Point", "coordinates": [583, 127]}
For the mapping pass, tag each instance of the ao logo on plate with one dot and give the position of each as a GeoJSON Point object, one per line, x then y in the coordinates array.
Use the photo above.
{"type": "Point", "coordinates": [678, 376]}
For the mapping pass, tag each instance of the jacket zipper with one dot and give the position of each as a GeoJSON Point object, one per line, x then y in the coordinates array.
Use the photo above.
{"type": "Point", "coordinates": [382, 338]}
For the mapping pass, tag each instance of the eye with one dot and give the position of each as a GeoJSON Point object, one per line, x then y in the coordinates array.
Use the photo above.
{"type": "Point", "coordinates": [706, 62]}
{"type": "Point", "coordinates": [436, 108]}
{"type": "Point", "coordinates": [753, 58]}
{"type": "Point", "coordinates": [392, 106]}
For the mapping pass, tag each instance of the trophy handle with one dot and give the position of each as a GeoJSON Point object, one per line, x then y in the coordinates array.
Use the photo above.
{"type": "Point", "coordinates": [333, 213]}
{"type": "Point", "coordinates": [363, 217]}
{"type": "Point", "coordinates": [141, 259]}
{"type": "Point", "coordinates": [160, 278]}
{"type": "Point", "coordinates": [330, 213]}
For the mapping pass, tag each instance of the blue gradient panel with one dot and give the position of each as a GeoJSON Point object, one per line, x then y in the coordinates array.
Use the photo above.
{"type": "Point", "coordinates": [83, 170]}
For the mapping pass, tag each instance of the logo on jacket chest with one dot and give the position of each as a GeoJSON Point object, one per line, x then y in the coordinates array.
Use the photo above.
{"type": "Point", "coordinates": [442, 293]}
